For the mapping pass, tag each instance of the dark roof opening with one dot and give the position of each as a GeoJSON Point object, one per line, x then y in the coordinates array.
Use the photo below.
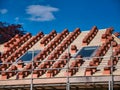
{"type": "Point", "coordinates": [87, 51]}
{"type": "Point", "coordinates": [28, 56]}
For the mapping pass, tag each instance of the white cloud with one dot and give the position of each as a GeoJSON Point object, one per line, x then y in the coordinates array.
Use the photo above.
{"type": "Point", "coordinates": [16, 19]}
{"type": "Point", "coordinates": [3, 11]}
{"type": "Point", "coordinates": [41, 13]}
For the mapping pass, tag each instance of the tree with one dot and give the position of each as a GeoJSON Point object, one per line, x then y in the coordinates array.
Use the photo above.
{"type": "Point", "coordinates": [7, 31]}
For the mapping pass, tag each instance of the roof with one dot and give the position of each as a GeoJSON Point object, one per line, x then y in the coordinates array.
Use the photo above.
{"type": "Point", "coordinates": [56, 59]}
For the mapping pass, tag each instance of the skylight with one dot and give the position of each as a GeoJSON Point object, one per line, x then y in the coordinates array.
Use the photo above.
{"type": "Point", "coordinates": [87, 51]}
{"type": "Point", "coordinates": [28, 56]}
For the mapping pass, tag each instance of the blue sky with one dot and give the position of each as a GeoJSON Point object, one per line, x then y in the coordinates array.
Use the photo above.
{"type": "Point", "coordinates": [46, 15]}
